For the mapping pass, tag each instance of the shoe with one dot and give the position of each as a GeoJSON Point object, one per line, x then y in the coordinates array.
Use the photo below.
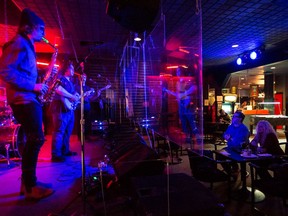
{"type": "Point", "coordinates": [70, 153]}
{"type": "Point", "coordinates": [38, 192]}
{"type": "Point", "coordinates": [58, 159]}
{"type": "Point", "coordinates": [22, 187]}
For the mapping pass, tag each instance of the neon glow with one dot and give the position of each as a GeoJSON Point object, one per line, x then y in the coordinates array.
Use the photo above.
{"type": "Point", "coordinates": [46, 64]}
{"type": "Point", "coordinates": [183, 50]}
{"type": "Point", "coordinates": [176, 66]}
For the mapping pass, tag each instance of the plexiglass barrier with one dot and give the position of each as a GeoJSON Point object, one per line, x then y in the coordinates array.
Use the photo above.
{"type": "Point", "coordinates": [161, 77]}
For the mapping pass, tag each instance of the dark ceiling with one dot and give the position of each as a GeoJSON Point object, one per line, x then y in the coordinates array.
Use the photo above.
{"type": "Point", "coordinates": [82, 27]}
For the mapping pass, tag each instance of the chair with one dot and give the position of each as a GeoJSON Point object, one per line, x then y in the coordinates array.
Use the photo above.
{"type": "Point", "coordinates": [285, 144]}
{"type": "Point", "coordinates": [218, 135]}
{"type": "Point", "coordinates": [151, 137]}
{"type": "Point", "coordinates": [274, 186]}
{"type": "Point", "coordinates": [167, 146]}
{"type": "Point", "coordinates": [204, 168]}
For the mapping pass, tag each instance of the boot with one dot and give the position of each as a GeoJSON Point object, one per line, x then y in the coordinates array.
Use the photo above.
{"type": "Point", "coordinates": [45, 185]}
{"type": "Point", "coordinates": [38, 192]}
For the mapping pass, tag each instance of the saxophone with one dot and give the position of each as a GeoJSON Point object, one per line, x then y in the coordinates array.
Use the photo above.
{"type": "Point", "coordinates": [50, 78]}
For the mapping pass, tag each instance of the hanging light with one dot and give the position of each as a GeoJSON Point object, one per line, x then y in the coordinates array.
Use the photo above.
{"type": "Point", "coordinates": [137, 38]}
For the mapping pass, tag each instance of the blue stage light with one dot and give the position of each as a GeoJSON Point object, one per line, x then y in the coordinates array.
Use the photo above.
{"type": "Point", "coordinates": [253, 55]}
{"type": "Point", "coordinates": [239, 61]}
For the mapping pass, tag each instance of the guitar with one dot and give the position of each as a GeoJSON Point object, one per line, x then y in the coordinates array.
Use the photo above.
{"type": "Point", "coordinates": [99, 92]}
{"type": "Point", "coordinates": [72, 105]}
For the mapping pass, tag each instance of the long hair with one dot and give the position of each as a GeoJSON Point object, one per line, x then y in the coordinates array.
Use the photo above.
{"type": "Point", "coordinates": [267, 128]}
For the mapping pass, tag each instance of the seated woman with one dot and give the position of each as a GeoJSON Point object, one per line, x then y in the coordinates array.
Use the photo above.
{"type": "Point", "coordinates": [265, 141]}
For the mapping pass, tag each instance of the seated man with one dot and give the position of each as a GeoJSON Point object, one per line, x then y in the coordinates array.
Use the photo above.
{"type": "Point", "coordinates": [224, 117]}
{"type": "Point", "coordinates": [236, 135]}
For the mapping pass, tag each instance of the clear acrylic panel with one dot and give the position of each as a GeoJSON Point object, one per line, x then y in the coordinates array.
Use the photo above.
{"type": "Point", "coordinates": [162, 76]}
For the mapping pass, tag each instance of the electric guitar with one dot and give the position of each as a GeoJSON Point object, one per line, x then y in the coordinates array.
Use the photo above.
{"type": "Point", "coordinates": [99, 92]}
{"type": "Point", "coordinates": [72, 105]}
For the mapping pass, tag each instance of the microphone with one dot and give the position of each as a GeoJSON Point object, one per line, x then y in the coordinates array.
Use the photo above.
{"type": "Point", "coordinates": [47, 42]}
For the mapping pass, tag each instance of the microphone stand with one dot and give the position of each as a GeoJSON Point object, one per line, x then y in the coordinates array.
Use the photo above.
{"type": "Point", "coordinates": [83, 168]}
{"type": "Point", "coordinates": [82, 140]}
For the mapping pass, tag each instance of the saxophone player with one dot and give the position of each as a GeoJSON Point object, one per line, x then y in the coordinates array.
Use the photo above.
{"type": "Point", "coordinates": [63, 114]}
{"type": "Point", "coordinates": [18, 71]}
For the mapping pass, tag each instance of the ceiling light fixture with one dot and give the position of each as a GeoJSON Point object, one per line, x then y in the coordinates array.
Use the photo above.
{"type": "Point", "coordinates": [239, 61]}
{"type": "Point", "coordinates": [256, 53]}
{"type": "Point", "coordinates": [137, 38]}
{"type": "Point", "coordinates": [253, 55]}
{"type": "Point", "coordinates": [242, 60]}
{"type": "Point", "coordinates": [250, 55]}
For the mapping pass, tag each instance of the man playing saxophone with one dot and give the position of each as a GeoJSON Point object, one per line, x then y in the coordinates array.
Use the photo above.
{"type": "Point", "coordinates": [18, 70]}
{"type": "Point", "coordinates": [63, 114]}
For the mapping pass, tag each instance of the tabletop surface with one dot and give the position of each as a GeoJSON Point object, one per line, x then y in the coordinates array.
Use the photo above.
{"type": "Point", "coordinates": [237, 156]}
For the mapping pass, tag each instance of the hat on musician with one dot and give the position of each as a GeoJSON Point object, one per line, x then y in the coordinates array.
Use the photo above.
{"type": "Point", "coordinates": [29, 18]}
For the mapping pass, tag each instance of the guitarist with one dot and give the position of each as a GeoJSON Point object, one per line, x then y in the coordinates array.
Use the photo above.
{"type": "Point", "coordinates": [185, 91]}
{"type": "Point", "coordinates": [62, 116]}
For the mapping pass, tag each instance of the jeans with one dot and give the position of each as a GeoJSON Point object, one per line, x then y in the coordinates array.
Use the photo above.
{"type": "Point", "coordinates": [63, 123]}
{"type": "Point", "coordinates": [187, 117]}
{"type": "Point", "coordinates": [30, 118]}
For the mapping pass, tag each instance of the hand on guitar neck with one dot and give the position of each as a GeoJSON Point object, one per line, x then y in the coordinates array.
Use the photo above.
{"type": "Point", "coordinates": [102, 89]}
{"type": "Point", "coordinates": [72, 104]}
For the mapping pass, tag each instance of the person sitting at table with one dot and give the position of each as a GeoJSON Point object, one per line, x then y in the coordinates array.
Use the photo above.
{"type": "Point", "coordinates": [236, 135]}
{"type": "Point", "coordinates": [265, 141]}
{"type": "Point", "coordinates": [223, 117]}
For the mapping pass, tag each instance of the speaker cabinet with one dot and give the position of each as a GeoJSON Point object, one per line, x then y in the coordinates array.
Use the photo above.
{"type": "Point", "coordinates": [138, 160]}
{"type": "Point", "coordinates": [135, 15]}
{"type": "Point", "coordinates": [187, 196]}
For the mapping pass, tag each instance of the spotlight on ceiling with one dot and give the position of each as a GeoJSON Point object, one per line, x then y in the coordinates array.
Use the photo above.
{"type": "Point", "coordinates": [239, 61]}
{"type": "Point", "coordinates": [242, 60]}
{"type": "Point", "coordinates": [247, 56]}
{"type": "Point", "coordinates": [253, 55]}
{"type": "Point", "coordinates": [256, 54]}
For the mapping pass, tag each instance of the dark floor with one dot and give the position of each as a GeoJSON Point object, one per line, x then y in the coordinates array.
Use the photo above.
{"type": "Point", "coordinates": [112, 199]}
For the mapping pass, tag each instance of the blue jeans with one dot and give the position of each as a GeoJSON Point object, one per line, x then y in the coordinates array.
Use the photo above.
{"type": "Point", "coordinates": [187, 117]}
{"type": "Point", "coordinates": [30, 118]}
{"type": "Point", "coordinates": [63, 124]}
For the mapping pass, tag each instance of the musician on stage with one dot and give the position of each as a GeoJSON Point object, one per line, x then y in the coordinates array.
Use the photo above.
{"type": "Point", "coordinates": [18, 70]}
{"type": "Point", "coordinates": [62, 110]}
{"type": "Point", "coordinates": [185, 93]}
